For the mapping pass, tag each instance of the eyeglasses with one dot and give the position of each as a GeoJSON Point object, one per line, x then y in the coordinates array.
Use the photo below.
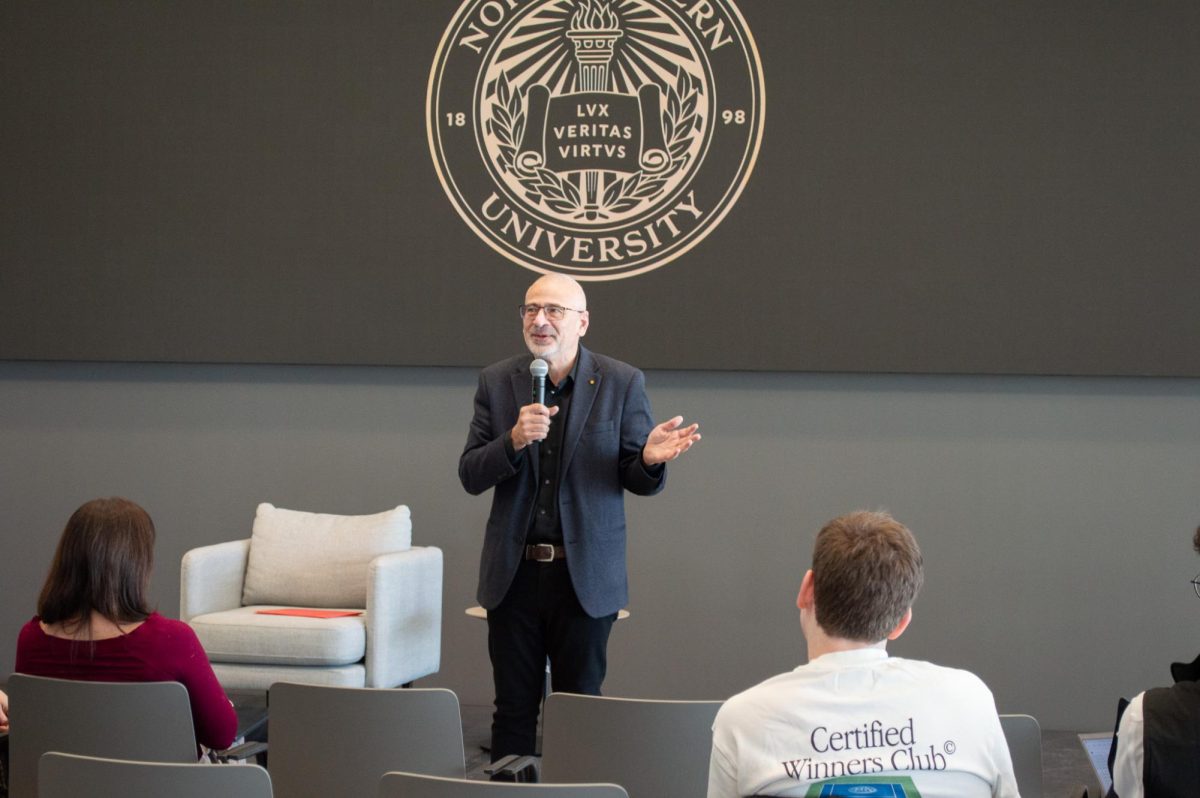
{"type": "Point", "coordinates": [553, 312]}
{"type": "Point", "coordinates": [1196, 585]}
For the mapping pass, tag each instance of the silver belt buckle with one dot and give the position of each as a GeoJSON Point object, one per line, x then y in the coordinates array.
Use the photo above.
{"type": "Point", "coordinates": [549, 548]}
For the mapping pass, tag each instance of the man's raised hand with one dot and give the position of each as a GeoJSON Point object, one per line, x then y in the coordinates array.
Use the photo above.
{"type": "Point", "coordinates": [669, 440]}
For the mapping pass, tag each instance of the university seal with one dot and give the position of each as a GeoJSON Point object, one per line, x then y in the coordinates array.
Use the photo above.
{"type": "Point", "coordinates": [595, 138]}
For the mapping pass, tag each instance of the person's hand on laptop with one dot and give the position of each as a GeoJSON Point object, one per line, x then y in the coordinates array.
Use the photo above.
{"type": "Point", "coordinates": [3, 712]}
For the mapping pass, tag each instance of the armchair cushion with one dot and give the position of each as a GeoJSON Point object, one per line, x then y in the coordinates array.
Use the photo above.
{"type": "Point", "coordinates": [244, 636]}
{"type": "Point", "coordinates": [316, 559]}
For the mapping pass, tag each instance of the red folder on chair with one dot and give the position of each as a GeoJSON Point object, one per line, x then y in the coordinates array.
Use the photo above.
{"type": "Point", "coordinates": [300, 612]}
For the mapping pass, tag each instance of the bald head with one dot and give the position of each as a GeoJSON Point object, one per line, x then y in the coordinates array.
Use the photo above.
{"type": "Point", "coordinates": [568, 288]}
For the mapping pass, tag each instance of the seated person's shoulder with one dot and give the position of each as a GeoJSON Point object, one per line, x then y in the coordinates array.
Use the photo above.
{"type": "Point", "coordinates": [764, 694]}
{"type": "Point", "coordinates": [168, 629]}
{"type": "Point", "coordinates": [1180, 702]}
{"type": "Point", "coordinates": [951, 681]}
{"type": "Point", "coordinates": [932, 669]}
{"type": "Point", "coordinates": [31, 629]}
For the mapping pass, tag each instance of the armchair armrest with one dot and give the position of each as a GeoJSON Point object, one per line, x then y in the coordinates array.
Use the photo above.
{"type": "Point", "coordinates": [404, 616]}
{"type": "Point", "coordinates": [211, 577]}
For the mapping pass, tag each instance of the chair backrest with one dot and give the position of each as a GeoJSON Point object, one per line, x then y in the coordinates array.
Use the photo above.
{"type": "Point", "coordinates": [654, 749]}
{"type": "Point", "coordinates": [341, 740]}
{"type": "Point", "coordinates": [147, 721]}
{"type": "Point", "coordinates": [73, 776]}
{"type": "Point", "coordinates": [1024, 737]}
{"type": "Point", "coordinates": [414, 785]}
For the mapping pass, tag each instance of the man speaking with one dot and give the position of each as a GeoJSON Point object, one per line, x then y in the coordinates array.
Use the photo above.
{"type": "Point", "coordinates": [552, 574]}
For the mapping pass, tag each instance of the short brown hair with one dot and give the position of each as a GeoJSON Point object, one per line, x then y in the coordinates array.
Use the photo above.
{"type": "Point", "coordinates": [867, 570]}
{"type": "Point", "coordinates": [102, 563]}
{"type": "Point", "coordinates": [1196, 540]}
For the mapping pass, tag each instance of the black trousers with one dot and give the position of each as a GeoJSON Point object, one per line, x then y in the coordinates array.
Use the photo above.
{"type": "Point", "coordinates": [540, 617]}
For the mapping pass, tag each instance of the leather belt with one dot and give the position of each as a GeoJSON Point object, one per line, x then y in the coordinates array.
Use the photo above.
{"type": "Point", "coordinates": [545, 552]}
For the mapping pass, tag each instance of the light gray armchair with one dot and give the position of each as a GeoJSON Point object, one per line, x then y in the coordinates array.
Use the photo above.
{"type": "Point", "coordinates": [360, 564]}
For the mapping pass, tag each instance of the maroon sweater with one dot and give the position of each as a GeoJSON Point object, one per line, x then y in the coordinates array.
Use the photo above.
{"type": "Point", "coordinates": [160, 650]}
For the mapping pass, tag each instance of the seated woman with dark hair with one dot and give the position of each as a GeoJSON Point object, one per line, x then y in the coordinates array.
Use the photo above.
{"type": "Point", "coordinates": [94, 621]}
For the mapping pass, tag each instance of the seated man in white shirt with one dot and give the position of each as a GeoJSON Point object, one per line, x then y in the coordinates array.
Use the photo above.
{"type": "Point", "coordinates": [1158, 738]}
{"type": "Point", "coordinates": [854, 721]}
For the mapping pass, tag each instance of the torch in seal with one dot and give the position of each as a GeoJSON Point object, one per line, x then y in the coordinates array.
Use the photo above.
{"type": "Point", "coordinates": [594, 31]}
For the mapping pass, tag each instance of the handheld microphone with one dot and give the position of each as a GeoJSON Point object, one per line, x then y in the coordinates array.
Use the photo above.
{"type": "Point", "coordinates": [539, 370]}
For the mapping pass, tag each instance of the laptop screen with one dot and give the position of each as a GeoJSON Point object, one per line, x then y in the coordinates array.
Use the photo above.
{"type": "Point", "coordinates": [1097, 746]}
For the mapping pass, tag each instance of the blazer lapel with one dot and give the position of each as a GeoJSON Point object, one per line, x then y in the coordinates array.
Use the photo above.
{"type": "Point", "coordinates": [582, 396]}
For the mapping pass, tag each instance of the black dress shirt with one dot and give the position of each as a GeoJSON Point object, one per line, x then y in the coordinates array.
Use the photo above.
{"type": "Point", "coordinates": [545, 526]}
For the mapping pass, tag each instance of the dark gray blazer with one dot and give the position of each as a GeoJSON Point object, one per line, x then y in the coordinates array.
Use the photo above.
{"type": "Point", "coordinates": [607, 426]}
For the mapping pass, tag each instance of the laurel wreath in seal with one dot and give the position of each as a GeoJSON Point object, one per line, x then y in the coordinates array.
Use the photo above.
{"type": "Point", "coordinates": [542, 186]}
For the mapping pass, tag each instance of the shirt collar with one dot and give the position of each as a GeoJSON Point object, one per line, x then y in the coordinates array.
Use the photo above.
{"type": "Point", "coordinates": [568, 380]}
{"type": "Point", "coordinates": [848, 659]}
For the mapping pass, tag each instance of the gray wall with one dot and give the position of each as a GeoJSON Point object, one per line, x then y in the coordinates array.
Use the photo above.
{"type": "Point", "coordinates": [1055, 513]}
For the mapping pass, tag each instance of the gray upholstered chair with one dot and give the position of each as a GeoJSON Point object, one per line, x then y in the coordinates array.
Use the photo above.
{"type": "Point", "coordinates": [365, 565]}
{"type": "Point", "coordinates": [413, 785]}
{"type": "Point", "coordinates": [599, 739]}
{"type": "Point", "coordinates": [72, 776]}
{"type": "Point", "coordinates": [341, 740]}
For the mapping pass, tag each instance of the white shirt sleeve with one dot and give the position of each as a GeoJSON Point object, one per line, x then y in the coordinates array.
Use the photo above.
{"type": "Point", "coordinates": [1127, 765]}
{"type": "Point", "coordinates": [722, 776]}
